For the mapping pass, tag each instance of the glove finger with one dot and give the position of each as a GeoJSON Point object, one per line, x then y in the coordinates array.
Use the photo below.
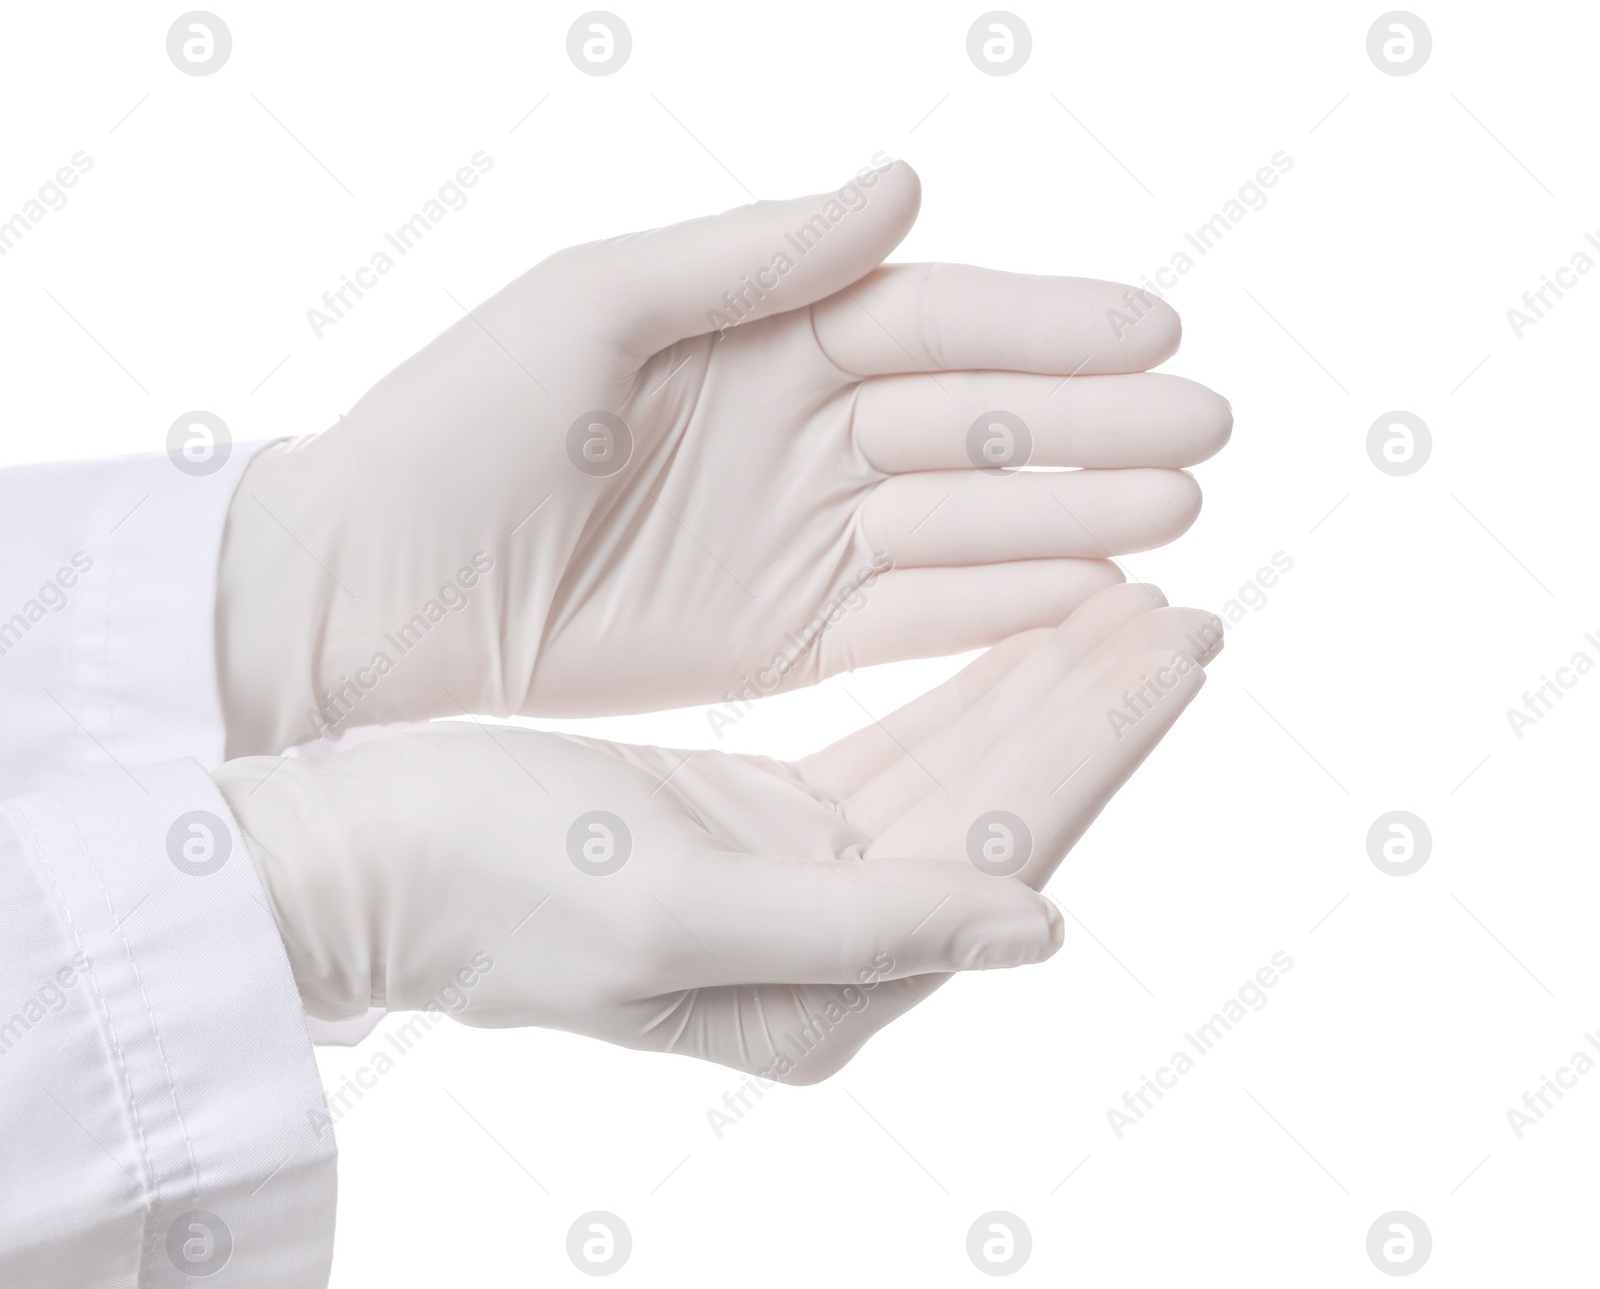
{"type": "Point", "coordinates": [845, 767]}
{"type": "Point", "coordinates": [732, 919]}
{"type": "Point", "coordinates": [1013, 707]}
{"type": "Point", "coordinates": [1022, 808]}
{"type": "Point", "coordinates": [943, 518]}
{"type": "Point", "coordinates": [934, 612]}
{"type": "Point", "coordinates": [906, 423]}
{"type": "Point", "coordinates": [956, 317]}
{"type": "Point", "coordinates": [655, 288]}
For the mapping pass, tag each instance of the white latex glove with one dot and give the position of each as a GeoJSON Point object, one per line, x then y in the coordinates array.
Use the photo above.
{"type": "Point", "coordinates": [442, 548]}
{"type": "Point", "coordinates": [719, 905]}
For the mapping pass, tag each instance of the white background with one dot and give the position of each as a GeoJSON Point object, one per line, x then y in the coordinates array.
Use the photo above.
{"type": "Point", "coordinates": [1376, 677]}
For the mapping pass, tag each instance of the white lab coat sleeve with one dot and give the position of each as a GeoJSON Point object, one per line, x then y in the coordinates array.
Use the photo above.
{"type": "Point", "coordinates": [154, 1057]}
{"type": "Point", "coordinates": [159, 1103]}
{"type": "Point", "coordinates": [108, 575]}
{"type": "Point", "coordinates": [107, 623]}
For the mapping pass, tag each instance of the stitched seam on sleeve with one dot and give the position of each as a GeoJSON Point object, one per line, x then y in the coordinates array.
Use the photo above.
{"type": "Point", "coordinates": [155, 1028]}
{"type": "Point", "coordinates": [151, 1184]}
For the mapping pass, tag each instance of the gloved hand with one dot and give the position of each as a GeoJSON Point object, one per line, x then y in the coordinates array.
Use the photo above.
{"type": "Point", "coordinates": [673, 467]}
{"type": "Point", "coordinates": [763, 915]}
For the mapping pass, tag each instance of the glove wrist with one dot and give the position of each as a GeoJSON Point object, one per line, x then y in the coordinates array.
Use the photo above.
{"type": "Point", "coordinates": [273, 605]}
{"type": "Point", "coordinates": [301, 843]}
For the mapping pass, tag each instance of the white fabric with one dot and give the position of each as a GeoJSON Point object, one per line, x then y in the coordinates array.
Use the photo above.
{"type": "Point", "coordinates": [120, 665]}
{"type": "Point", "coordinates": [154, 1059]}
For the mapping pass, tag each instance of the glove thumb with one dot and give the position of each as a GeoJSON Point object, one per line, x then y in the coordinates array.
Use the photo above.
{"type": "Point", "coordinates": [722, 271]}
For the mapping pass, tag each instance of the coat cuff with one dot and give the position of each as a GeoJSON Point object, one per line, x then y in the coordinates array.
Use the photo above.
{"type": "Point", "coordinates": [189, 1124]}
{"type": "Point", "coordinates": [144, 640]}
